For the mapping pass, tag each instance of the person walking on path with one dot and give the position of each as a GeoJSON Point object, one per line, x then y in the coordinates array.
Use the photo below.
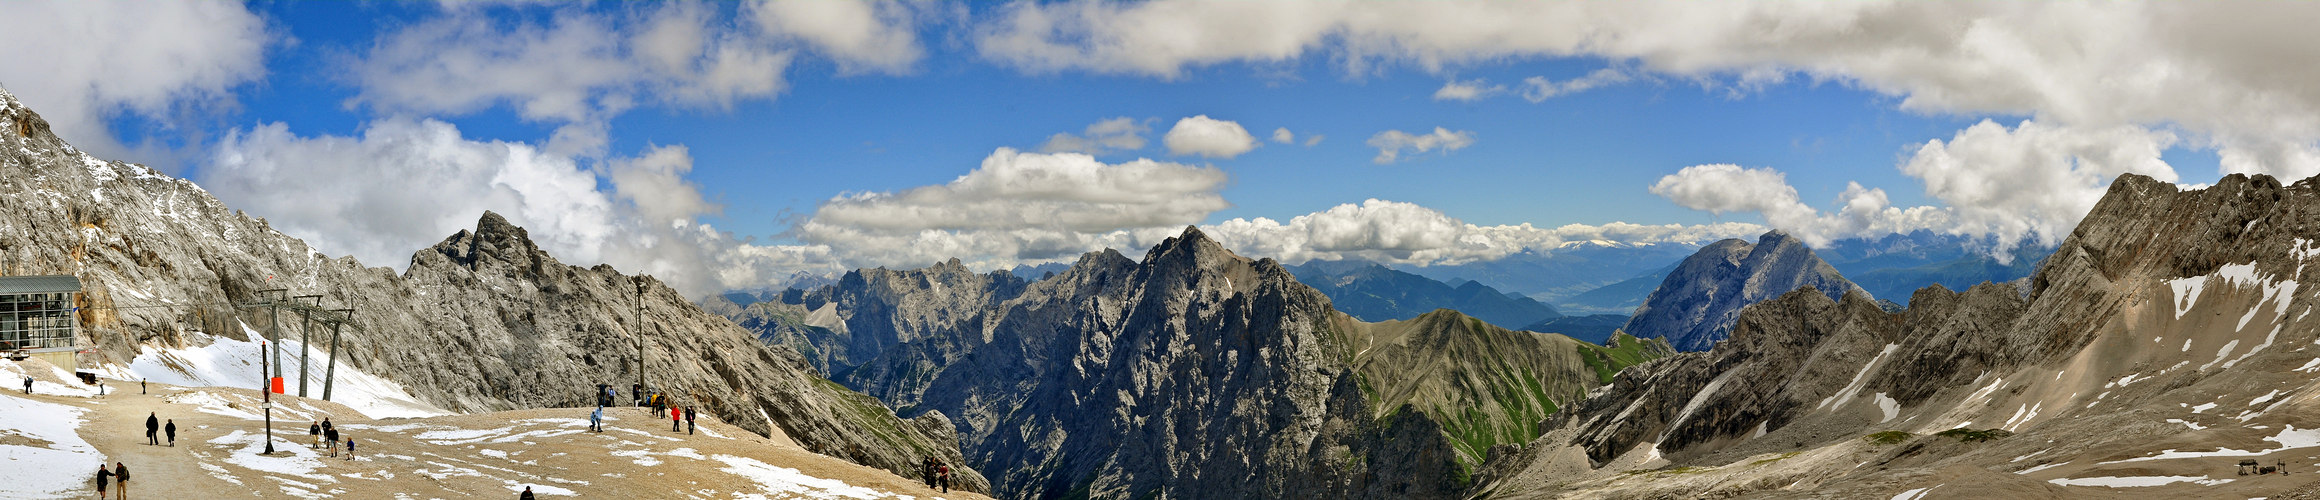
{"type": "Point", "coordinates": [596, 420]}
{"type": "Point", "coordinates": [171, 429]}
{"type": "Point", "coordinates": [104, 476]}
{"type": "Point", "coordinates": [140, 386]}
{"type": "Point", "coordinates": [349, 449]}
{"type": "Point", "coordinates": [27, 384]}
{"type": "Point", "coordinates": [121, 475]}
{"type": "Point", "coordinates": [330, 435]}
{"type": "Point", "coordinates": [153, 429]}
{"type": "Point", "coordinates": [943, 475]}
{"type": "Point", "coordinates": [314, 434]}
{"type": "Point", "coordinates": [676, 418]}
{"type": "Point", "coordinates": [691, 415]}
{"type": "Point", "coordinates": [527, 494]}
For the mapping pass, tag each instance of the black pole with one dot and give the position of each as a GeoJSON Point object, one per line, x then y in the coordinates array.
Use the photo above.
{"type": "Point", "coordinates": [330, 365]}
{"type": "Point", "coordinates": [305, 339]}
{"type": "Point", "coordinates": [639, 330]}
{"type": "Point", "coordinates": [267, 391]}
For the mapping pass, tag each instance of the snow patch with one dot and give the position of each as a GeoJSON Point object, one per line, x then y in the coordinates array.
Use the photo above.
{"type": "Point", "coordinates": [1889, 406]}
{"type": "Point", "coordinates": [784, 482]}
{"type": "Point", "coordinates": [220, 361]}
{"type": "Point", "coordinates": [1913, 494]}
{"type": "Point", "coordinates": [2040, 468]}
{"type": "Point", "coordinates": [2186, 423]}
{"type": "Point", "coordinates": [54, 461]}
{"type": "Point", "coordinates": [1860, 379]}
{"type": "Point", "coordinates": [2135, 481]}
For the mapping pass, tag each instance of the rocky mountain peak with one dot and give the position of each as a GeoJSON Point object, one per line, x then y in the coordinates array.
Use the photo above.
{"type": "Point", "coordinates": [493, 240]}
{"type": "Point", "coordinates": [1694, 307]}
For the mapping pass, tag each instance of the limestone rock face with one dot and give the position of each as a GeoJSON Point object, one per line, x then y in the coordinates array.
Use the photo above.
{"type": "Point", "coordinates": [1193, 373]}
{"type": "Point", "coordinates": [1696, 305]}
{"type": "Point", "coordinates": [2169, 320]}
{"type": "Point", "coordinates": [482, 321]}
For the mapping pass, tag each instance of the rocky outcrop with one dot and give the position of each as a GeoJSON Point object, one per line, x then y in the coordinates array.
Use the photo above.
{"type": "Point", "coordinates": [2168, 320]}
{"type": "Point", "coordinates": [1695, 306]}
{"type": "Point", "coordinates": [1372, 292]}
{"type": "Point", "coordinates": [1194, 372]}
{"type": "Point", "coordinates": [482, 321]}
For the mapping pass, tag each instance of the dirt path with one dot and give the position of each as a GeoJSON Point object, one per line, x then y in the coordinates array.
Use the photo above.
{"type": "Point", "coordinates": [482, 455]}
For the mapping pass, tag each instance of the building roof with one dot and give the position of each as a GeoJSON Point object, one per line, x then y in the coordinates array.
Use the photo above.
{"type": "Point", "coordinates": [39, 284]}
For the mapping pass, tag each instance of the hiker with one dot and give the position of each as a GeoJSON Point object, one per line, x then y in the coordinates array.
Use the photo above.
{"type": "Point", "coordinates": [636, 394]}
{"type": "Point", "coordinates": [171, 429]}
{"type": "Point", "coordinates": [349, 449]}
{"type": "Point", "coordinates": [27, 384]}
{"type": "Point", "coordinates": [140, 386]}
{"type": "Point", "coordinates": [927, 469]}
{"type": "Point", "coordinates": [657, 405]}
{"type": "Point", "coordinates": [676, 418]}
{"type": "Point", "coordinates": [121, 475]}
{"type": "Point", "coordinates": [527, 494]}
{"type": "Point", "coordinates": [153, 428]}
{"type": "Point", "coordinates": [104, 475]}
{"type": "Point", "coordinates": [690, 415]}
{"type": "Point", "coordinates": [314, 433]}
{"type": "Point", "coordinates": [943, 475]}
{"type": "Point", "coordinates": [330, 435]}
{"type": "Point", "coordinates": [596, 420]}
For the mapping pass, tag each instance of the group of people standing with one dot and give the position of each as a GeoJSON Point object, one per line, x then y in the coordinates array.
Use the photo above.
{"type": "Point", "coordinates": [938, 475]}
{"type": "Point", "coordinates": [326, 437]}
{"type": "Point", "coordinates": [681, 419]}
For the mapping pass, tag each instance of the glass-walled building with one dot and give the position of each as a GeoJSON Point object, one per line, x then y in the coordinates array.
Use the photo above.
{"type": "Point", "coordinates": [37, 317]}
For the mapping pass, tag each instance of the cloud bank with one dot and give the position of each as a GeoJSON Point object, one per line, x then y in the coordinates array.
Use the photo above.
{"type": "Point", "coordinates": [2031, 183]}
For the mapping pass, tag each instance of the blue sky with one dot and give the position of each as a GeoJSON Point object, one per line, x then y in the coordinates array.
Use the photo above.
{"type": "Point", "coordinates": [937, 88]}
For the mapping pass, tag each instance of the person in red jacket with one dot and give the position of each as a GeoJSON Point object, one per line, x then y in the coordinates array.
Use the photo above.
{"type": "Point", "coordinates": [676, 418]}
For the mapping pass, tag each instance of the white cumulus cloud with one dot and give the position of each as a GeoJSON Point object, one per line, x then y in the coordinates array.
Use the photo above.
{"type": "Point", "coordinates": [1466, 90]}
{"type": "Point", "coordinates": [861, 35]}
{"type": "Point", "coordinates": [405, 184]}
{"type": "Point", "coordinates": [1018, 206]}
{"type": "Point", "coordinates": [1540, 89]}
{"type": "Point", "coordinates": [1116, 134]}
{"type": "Point", "coordinates": [1390, 143]}
{"type": "Point", "coordinates": [82, 62]}
{"type": "Point", "coordinates": [1208, 137]}
{"type": "Point", "coordinates": [2031, 183]}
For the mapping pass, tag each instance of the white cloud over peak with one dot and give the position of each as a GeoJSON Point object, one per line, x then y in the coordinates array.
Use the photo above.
{"type": "Point", "coordinates": [1406, 233]}
{"type": "Point", "coordinates": [404, 184]}
{"type": "Point", "coordinates": [1025, 208]}
{"type": "Point", "coordinates": [2032, 183]}
{"type": "Point", "coordinates": [81, 62]}
{"type": "Point", "coordinates": [1390, 143]}
{"type": "Point", "coordinates": [1284, 136]}
{"type": "Point", "coordinates": [1208, 137]}
{"type": "Point", "coordinates": [1116, 134]}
